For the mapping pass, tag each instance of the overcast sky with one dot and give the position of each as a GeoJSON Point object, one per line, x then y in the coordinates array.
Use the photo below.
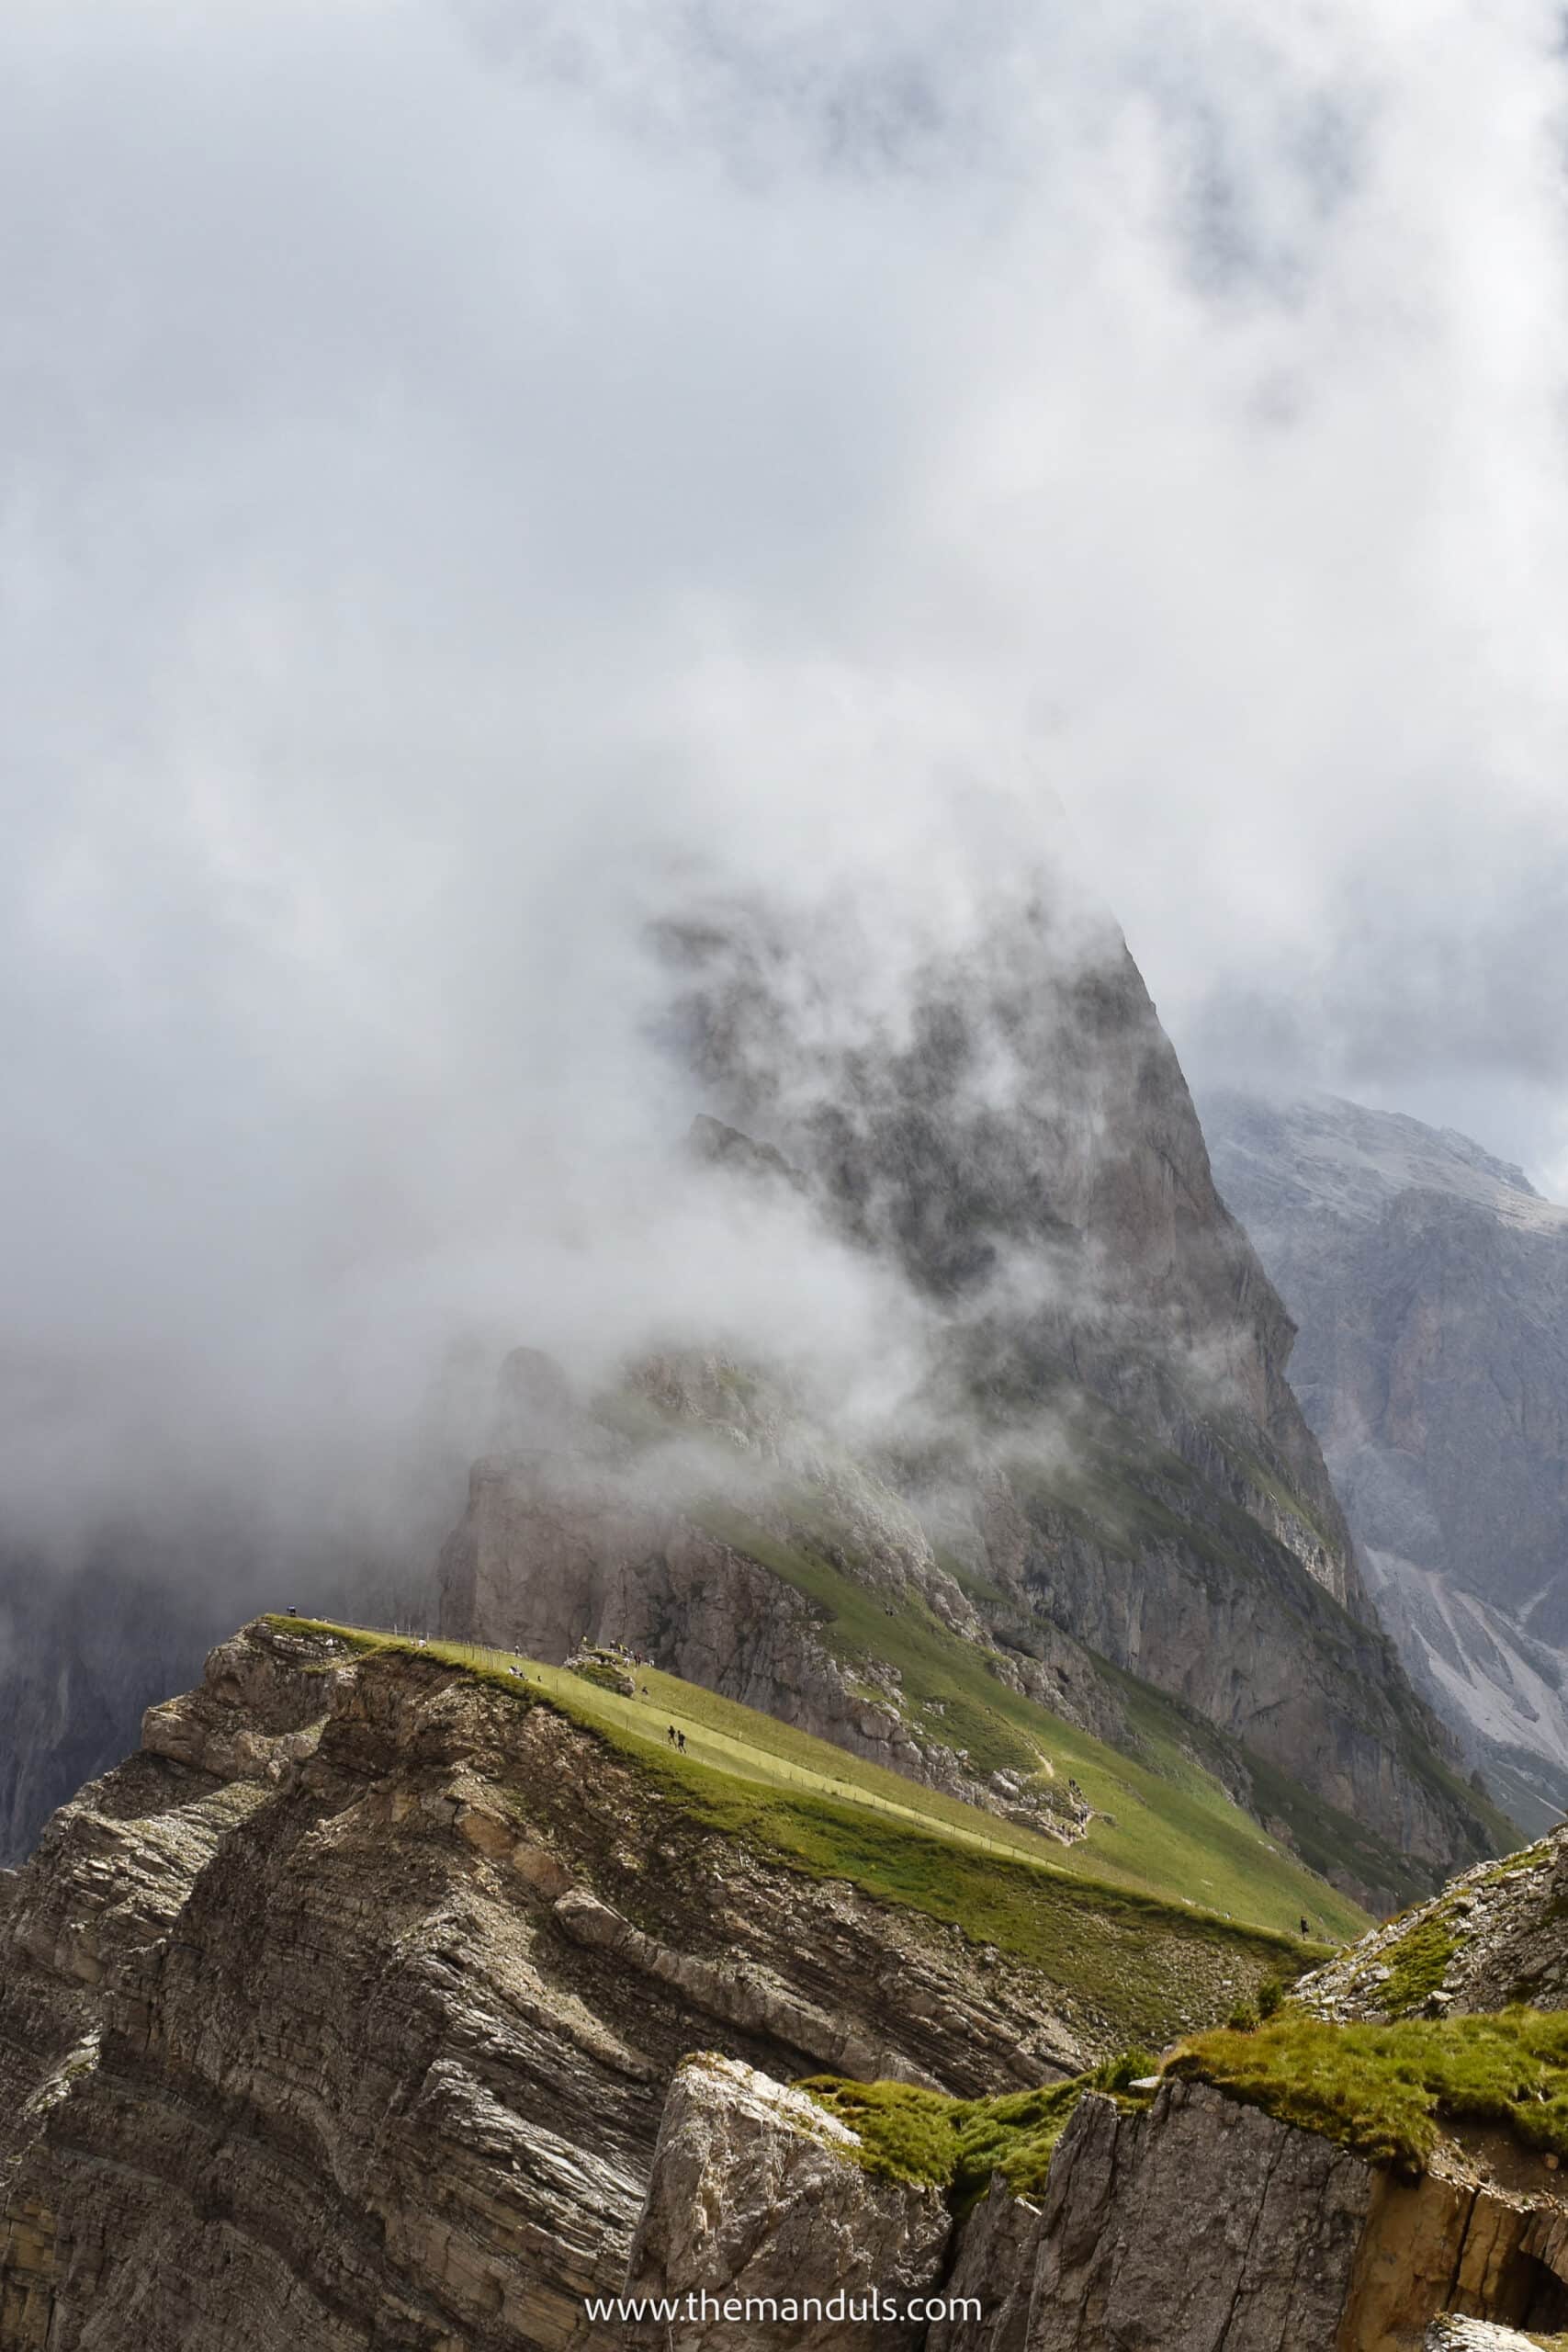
{"type": "Point", "coordinates": [468, 465]}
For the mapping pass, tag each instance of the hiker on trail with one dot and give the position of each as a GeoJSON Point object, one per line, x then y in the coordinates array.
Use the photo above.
{"type": "Point", "coordinates": [681, 1741]}
{"type": "Point", "coordinates": [674, 1735]}
{"type": "Point", "coordinates": [1306, 1927]}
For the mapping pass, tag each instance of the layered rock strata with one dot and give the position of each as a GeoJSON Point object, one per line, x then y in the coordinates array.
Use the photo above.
{"type": "Point", "coordinates": [342, 2014]}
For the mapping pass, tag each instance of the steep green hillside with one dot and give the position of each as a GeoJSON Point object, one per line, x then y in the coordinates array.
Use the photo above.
{"type": "Point", "coordinates": [1174, 1855]}
{"type": "Point", "coordinates": [1166, 1824]}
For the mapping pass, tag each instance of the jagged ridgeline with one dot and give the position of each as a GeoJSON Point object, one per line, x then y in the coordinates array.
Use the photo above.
{"type": "Point", "coordinates": [343, 2013]}
{"type": "Point", "coordinates": [1083, 1504]}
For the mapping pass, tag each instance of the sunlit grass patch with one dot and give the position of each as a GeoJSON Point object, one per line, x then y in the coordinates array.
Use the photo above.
{"type": "Point", "coordinates": [912, 2134]}
{"type": "Point", "coordinates": [1389, 2091]}
{"type": "Point", "coordinates": [1130, 1960]}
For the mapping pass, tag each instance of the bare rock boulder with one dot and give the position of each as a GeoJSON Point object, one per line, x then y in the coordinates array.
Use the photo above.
{"type": "Point", "coordinates": [766, 2229]}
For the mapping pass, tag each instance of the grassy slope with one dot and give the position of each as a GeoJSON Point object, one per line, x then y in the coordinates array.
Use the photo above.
{"type": "Point", "coordinates": [1170, 1828]}
{"type": "Point", "coordinates": [910, 2134]}
{"type": "Point", "coordinates": [1137, 1961]}
{"type": "Point", "coordinates": [1389, 2091]}
{"type": "Point", "coordinates": [1126, 1494]}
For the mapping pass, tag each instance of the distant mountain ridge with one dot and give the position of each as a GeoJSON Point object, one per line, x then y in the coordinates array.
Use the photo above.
{"type": "Point", "coordinates": [1429, 1281]}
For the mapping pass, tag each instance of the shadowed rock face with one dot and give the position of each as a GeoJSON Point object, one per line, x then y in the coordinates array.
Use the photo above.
{"type": "Point", "coordinates": [1022, 1142]}
{"type": "Point", "coordinates": [1430, 1283]}
{"type": "Point", "coordinates": [80, 1654]}
{"type": "Point", "coordinates": [1205, 2222]}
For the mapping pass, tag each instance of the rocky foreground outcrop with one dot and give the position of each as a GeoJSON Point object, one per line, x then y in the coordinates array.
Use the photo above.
{"type": "Point", "coordinates": [356, 2013]}
{"type": "Point", "coordinates": [1186, 2222]}
{"type": "Point", "coordinates": [756, 2188]}
{"type": "Point", "coordinates": [342, 2015]}
{"type": "Point", "coordinates": [1495, 1936]}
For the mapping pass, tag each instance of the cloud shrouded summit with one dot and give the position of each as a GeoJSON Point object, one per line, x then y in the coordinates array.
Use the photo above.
{"type": "Point", "coordinates": [476, 480]}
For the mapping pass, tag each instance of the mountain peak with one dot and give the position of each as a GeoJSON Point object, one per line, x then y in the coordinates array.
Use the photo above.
{"type": "Point", "coordinates": [1322, 1153]}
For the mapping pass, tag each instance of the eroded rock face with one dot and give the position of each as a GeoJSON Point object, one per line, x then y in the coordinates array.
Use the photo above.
{"type": "Point", "coordinates": [994, 2263]}
{"type": "Point", "coordinates": [1203, 2225]}
{"type": "Point", "coordinates": [1492, 1936]}
{"type": "Point", "coordinates": [1200, 2225]}
{"type": "Point", "coordinates": [757, 2197]}
{"type": "Point", "coordinates": [342, 2015]}
{"type": "Point", "coordinates": [1192, 2224]}
{"type": "Point", "coordinates": [81, 1654]}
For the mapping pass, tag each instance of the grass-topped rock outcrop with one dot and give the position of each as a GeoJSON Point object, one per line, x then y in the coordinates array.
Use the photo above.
{"type": "Point", "coordinates": [1495, 1937]}
{"type": "Point", "coordinates": [343, 2012]}
{"type": "Point", "coordinates": [1397, 2094]}
{"type": "Point", "coordinates": [1294, 2189]}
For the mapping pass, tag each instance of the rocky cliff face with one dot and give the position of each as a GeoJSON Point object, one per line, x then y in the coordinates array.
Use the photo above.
{"type": "Point", "coordinates": [1186, 2222]}
{"type": "Point", "coordinates": [1492, 1936]}
{"type": "Point", "coordinates": [756, 2194]}
{"type": "Point", "coordinates": [1018, 1138]}
{"type": "Point", "coordinates": [358, 2010]}
{"type": "Point", "coordinates": [1100, 1458]}
{"type": "Point", "coordinates": [1430, 1283]}
{"type": "Point", "coordinates": [342, 2014]}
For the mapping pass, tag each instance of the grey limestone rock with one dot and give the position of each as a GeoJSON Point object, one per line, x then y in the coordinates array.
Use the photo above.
{"type": "Point", "coordinates": [757, 2197]}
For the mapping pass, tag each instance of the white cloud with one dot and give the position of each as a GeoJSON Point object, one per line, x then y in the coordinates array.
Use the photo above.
{"type": "Point", "coordinates": [468, 471]}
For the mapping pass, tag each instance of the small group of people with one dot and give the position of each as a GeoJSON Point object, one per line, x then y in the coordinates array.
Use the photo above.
{"type": "Point", "coordinates": [677, 1739]}
{"type": "Point", "coordinates": [626, 1657]}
